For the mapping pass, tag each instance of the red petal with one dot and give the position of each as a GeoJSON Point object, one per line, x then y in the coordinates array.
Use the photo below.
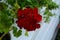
{"type": "Point", "coordinates": [38, 17]}
{"type": "Point", "coordinates": [37, 25]}
{"type": "Point", "coordinates": [35, 10]}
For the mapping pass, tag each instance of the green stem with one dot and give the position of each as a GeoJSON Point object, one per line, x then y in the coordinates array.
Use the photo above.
{"type": "Point", "coordinates": [26, 33]}
{"type": "Point", "coordinates": [5, 33]}
{"type": "Point", "coordinates": [2, 36]}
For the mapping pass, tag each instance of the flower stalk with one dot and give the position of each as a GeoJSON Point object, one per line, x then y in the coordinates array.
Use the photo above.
{"type": "Point", "coordinates": [5, 33]}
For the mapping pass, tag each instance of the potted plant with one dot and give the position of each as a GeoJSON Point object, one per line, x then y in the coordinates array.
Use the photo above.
{"type": "Point", "coordinates": [25, 14]}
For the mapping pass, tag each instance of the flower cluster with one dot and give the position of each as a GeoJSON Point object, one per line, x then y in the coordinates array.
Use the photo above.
{"type": "Point", "coordinates": [29, 18]}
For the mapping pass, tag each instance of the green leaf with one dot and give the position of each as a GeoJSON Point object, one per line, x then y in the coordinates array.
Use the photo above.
{"type": "Point", "coordinates": [16, 5]}
{"type": "Point", "coordinates": [22, 3]}
{"type": "Point", "coordinates": [5, 21]}
{"type": "Point", "coordinates": [3, 6]}
{"type": "Point", "coordinates": [47, 15]}
{"type": "Point", "coordinates": [52, 5]}
{"type": "Point", "coordinates": [17, 32]}
{"type": "Point", "coordinates": [14, 29]}
{"type": "Point", "coordinates": [11, 2]}
{"type": "Point", "coordinates": [35, 3]}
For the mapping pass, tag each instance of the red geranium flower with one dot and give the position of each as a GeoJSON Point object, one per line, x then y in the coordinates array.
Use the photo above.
{"type": "Point", "coordinates": [28, 19]}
